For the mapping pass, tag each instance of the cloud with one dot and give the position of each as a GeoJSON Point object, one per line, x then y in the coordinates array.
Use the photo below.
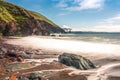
{"type": "Point", "coordinates": [65, 26]}
{"type": "Point", "coordinates": [113, 19]}
{"type": "Point", "coordinates": [62, 4]}
{"type": "Point", "coordinates": [101, 28]}
{"type": "Point", "coordinates": [108, 25]}
{"type": "Point", "coordinates": [78, 5]}
{"type": "Point", "coordinates": [63, 14]}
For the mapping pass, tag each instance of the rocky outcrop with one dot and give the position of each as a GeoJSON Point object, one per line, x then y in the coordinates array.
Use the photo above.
{"type": "Point", "coordinates": [17, 21]}
{"type": "Point", "coordinates": [76, 61]}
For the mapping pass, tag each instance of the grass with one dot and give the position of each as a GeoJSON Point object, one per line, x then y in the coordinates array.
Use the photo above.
{"type": "Point", "coordinates": [20, 17]}
{"type": "Point", "coordinates": [1, 34]}
{"type": "Point", "coordinates": [5, 15]}
{"type": "Point", "coordinates": [41, 17]}
{"type": "Point", "coordinates": [6, 9]}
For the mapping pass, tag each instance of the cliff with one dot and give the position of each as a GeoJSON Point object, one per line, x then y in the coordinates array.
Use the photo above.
{"type": "Point", "coordinates": [17, 21]}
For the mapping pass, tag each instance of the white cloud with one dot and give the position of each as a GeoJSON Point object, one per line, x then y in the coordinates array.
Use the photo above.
{"type": "Point", "coordinates": [62, 4]}
{"type": "Point", "coordinates": [65, 26]}
{"type": "Point", "coordinates": [108, 25]}
{"type": "Point", "coordinates": [113, 20]}
{"type": "Point", "coordinates": [92, 4]}
{"type": "Point", "coordinates": [101, 28]}
{"type": "Point", "coordinates": [78, 5]}
{"type": "Point", "coordinates": [62, 14]}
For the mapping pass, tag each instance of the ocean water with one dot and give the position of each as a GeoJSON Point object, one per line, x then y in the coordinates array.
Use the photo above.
{"type": "Point", "coordinates": [107, 43]}
{"type": "Point", "coordinates": [109, 38]}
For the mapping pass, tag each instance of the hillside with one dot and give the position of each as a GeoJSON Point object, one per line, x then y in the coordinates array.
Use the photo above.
{"type": "Point", "coordinates": [17, 21]}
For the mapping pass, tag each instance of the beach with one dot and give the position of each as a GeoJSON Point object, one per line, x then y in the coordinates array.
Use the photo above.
{"type": "Point", "coordinates": [105, 56]}
{"type": "Point", "coordinates": [59, 46]}
{"type": "Point", "coordinates": [60, 40]}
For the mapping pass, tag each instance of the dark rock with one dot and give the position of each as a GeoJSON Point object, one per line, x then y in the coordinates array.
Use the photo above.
{"type": "Point", "coordinates": [29, 52]}
{"type": "Point", "coordinates": [23, 78]}
{"type": "Point", "coordinates": [13, 59]}
{"type": "Point", "coordinates": [76, 61]}
{"type": "Point", "coordinates": [25, 56]}
{"type": "Point", "coordinates": [11, 54]}
{"type": "Point", "coordinates": [35, 76]}
{"type": "Point", "coordinates": [20, 59]}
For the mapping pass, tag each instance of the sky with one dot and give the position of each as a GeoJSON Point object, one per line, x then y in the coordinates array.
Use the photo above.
{"type": "Point", "coordinates": [80, 15]}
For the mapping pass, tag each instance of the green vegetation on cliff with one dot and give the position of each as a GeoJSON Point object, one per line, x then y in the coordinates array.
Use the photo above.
{"type": "Point", "coordinates": [41, 17]}
{"type": "Point", "coordinates": [15, 20]}
{"type": "Point", "coordinates": [5, 15]}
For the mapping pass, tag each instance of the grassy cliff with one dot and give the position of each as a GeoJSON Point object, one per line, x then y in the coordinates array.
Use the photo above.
{"type": "Point", "coordinates": [17, 21]}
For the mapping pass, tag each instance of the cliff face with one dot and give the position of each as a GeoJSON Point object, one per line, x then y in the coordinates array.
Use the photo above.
{"type": "Point", "coordinates": [17, 21]}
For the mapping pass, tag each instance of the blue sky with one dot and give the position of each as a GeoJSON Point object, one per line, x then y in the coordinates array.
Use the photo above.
{"type": "Point", "coordinates": [83, 15]}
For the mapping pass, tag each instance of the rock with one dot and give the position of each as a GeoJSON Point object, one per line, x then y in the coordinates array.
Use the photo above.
{"type": "Point", "coordinates": [4, 50]}
{"type": "Point", "coordinates": [19, 65]}
{"type": "Point", "coordinates": [20, 59]}
{"type": "Point", "coordinates": [11, 54]}
{"type": "Point", "coordinates": [23, 78]}
{"type": "Point", "coordinates": [13, 59]}
{"type": "Point", "coordinates": [29, 52]}
{"type": "Point", "coordinates": [76, 61]}
{"type": "Point", "coordinates": [35, 76]}
{"type": "Point", "coordinates": [25, 56]}
{"type": "Point", "coordinates": [13, 78]}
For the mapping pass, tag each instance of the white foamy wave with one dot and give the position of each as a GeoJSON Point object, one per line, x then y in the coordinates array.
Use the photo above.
{"type": "Point", "coordinates": [73, 46]}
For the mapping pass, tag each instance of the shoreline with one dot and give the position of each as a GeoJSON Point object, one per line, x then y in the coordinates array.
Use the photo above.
{"type": "Point", "coordinates": [58, 45]}
{"type": "Point", "coordinates": [49, 50]}
{"type": "Point", "coordinates": [49, 45]}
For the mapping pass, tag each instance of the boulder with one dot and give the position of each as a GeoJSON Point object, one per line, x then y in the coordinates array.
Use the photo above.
{"type": "Point", "coordinates": [76, 61]}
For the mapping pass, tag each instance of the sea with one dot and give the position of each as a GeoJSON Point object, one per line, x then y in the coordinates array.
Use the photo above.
{"type": "Point", "coordinates": [96, 37]}
{"type": "Point", "coordinates": [91, 42]}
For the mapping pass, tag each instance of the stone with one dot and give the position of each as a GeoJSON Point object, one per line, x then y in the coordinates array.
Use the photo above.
{"type": "Point", "coordinates": [4, 50]}
{"type": "Point", "coordinates": [19, 65]}
{"type": "Point", "coordinates": [35, 76]}
{"type": "Point", "coordinates": [11, 54]}
{"type": "Point", "coordinates": [20, 59]}
{"type": "Point", "coordinates": [13, 78]}
{"type": "Point", "coordinates": [23, 78]}
{"type": "Point", "coordinates": [29, 52]}
{"type": "Point", "coordinates": [76, 61]}
{"type": "Point", "coordinates": [25, 56]}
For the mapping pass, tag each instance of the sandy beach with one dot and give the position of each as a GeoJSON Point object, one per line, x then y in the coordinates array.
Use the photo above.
{"type": "Point", "coordinates": [102, 55]}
